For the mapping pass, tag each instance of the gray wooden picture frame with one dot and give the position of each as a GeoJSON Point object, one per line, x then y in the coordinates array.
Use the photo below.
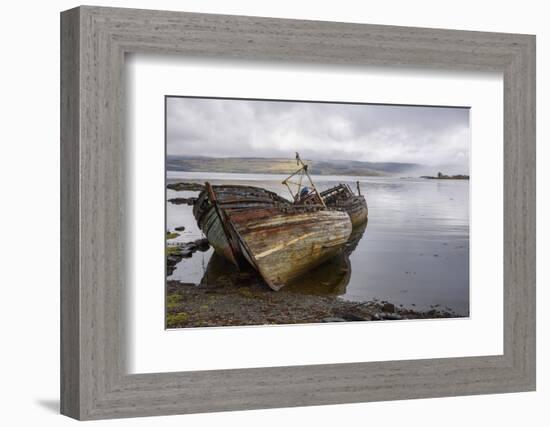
{"type": "Point", "coordinates": [94, 41]}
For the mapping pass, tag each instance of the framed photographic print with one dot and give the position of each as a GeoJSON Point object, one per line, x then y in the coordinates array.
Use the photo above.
{"type": "Point", "coordinates": [244, 221]}
{"type": "Point", "coordinates": [282, 213]}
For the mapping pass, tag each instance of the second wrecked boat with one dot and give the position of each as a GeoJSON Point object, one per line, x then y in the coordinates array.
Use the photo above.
{"type": "Point", "coordinates": [342, 197]}
{"type": "Point", "coordinates": [280, 239]}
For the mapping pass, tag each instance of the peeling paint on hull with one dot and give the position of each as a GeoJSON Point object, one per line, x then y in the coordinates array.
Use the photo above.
{"type": "Point", "coordinates": [341, 197]}
{"type": "Point", "coordinates": [357, 210]}
{"type": "Point", "coordinates": [279, 239]}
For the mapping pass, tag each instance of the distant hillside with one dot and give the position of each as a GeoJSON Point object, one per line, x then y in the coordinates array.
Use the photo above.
{"type": "Point", "coordinates": [284, 166]}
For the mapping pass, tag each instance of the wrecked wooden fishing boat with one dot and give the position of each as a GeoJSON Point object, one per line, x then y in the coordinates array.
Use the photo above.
{"type": "Point", "coordinates": [280, 239]}
{"type": "Point", "coordinates": [342, 197]}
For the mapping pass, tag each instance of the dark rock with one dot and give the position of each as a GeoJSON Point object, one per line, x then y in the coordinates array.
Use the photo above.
{"type": "Point", "coordinates": [389, 316]}
{"type": "Point", "coordinates": [195, 245]}
{"type": "Point", "coordinates": [181, 228]}
{"type": "Point", "coordinates": [177, 253]}
{"type": "Point", "coordinates": [185, 186]}
{"type": "Point", "coordinates": [388, 308]}
{"type": "Point", "coordinates": [171, 265]}
{"type": "Point", "coordinates": [183, 201]}
{"type": "Point", "coordinates": [186, 253]}
{"type": "Point", "coordinates": [202, 245]}
{"type": "Point", "coordinates": [350, 317]}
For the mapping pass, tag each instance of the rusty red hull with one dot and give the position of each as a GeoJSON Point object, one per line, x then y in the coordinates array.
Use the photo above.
{"type": "Point", "coordinates": [279, 239]}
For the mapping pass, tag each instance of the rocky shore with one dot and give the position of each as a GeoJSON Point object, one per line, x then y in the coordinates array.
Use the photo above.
{"type": "Point", "coordinates": [189, 305]}
{"type": "Point", "coordinates": [175, 253]}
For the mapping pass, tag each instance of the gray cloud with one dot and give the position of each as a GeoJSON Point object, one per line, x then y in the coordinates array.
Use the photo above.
{"type": "Point", "coordinates": [437, 137]}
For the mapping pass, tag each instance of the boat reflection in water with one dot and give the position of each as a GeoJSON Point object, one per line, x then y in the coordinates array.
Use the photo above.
{"type": "Point", "coordinates": [329, 278]}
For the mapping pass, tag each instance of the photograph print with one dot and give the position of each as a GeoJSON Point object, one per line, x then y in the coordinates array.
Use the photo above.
{"type": "Point", "coordinates": [286, 212]}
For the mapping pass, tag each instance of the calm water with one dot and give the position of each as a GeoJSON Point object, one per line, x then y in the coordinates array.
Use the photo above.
{"type": "Point", "coordinates": [414, 250]}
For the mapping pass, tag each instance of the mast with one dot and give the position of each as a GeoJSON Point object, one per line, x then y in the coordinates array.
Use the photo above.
{"type": "Point", "coordinates": [300, 174]}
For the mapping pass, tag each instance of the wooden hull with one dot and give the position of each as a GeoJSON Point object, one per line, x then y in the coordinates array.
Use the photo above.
{"type": "Point", "coordinates": [357, 210]}
{"type": "Point", "coordinates": [341, 197]}
{"type": "Point", "coordinates": [280, 240]}
{"type": "Point", "coordinates": [216, 236]}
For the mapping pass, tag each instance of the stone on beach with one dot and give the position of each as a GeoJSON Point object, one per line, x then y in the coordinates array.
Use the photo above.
{"type": "Point", "coordinates": [388, 308]}
{"type": "Point", "coordinates": [183, 200]}
{"type": "Point", "coordinates": [175, 253]}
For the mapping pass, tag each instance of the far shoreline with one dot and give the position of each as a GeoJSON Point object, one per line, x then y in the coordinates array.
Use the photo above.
{"type": "Point", "coordinates": [443, 176]}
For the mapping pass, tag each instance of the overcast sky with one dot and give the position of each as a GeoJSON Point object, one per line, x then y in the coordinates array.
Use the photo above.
{"type": "Point", "coordinates": [436, 137]}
